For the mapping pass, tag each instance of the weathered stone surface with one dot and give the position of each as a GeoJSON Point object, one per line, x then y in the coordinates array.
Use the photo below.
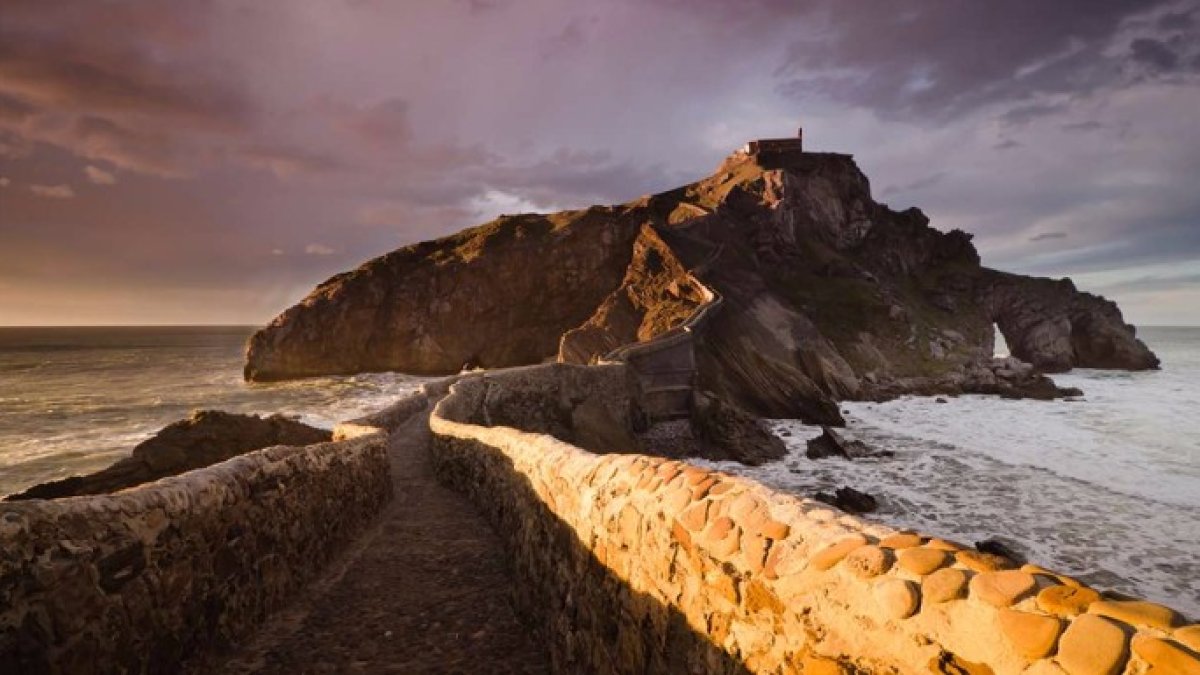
{"type": "Point", "coordinates": [203, 439]}
{"type": "Point", "coordinates": [817, 665]}
{"type": "Point", "coordinates": [1066, 600]}
{"type": "Point", "coordinates": [1164, 657]}
{"type": "Point", "coordinates": [1189, 636]}
{"type": "Point", "coordinates": [901, 540]}
{"type": "Point", "coordinates": [1002, 588]}
{"type": "Point", "coordinates": [728, 432]}
{"type": "Point", "coordinates": [137, 581]}
{"type": "Point", "coordinates": [897, 598]}
{"type": "Point", "coordinates": [922, 560]}
{"type": "Point", "coordinates": [1031, 635]}
{"type": "Point", "coordinates": [944, 585]}
{"type": "Point", "coordinates": [1060, 578]}
{"type": "Point", "coordinates": [868, 561]}
{"type": "Point", "coordinates": [1044, 667]}
{"type": "Point", "coordinates": [1138, 613]}
{"type": "Point", "coordinates": [834, 554]}
{"type": "Point", "coordinates": [1093, 645]}
{"type": "Point", "coordinates": [944, 544]}
{"type": "Point", "coordinates": [977, 561]}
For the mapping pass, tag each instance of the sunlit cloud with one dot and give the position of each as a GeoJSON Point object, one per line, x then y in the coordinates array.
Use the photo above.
{"type": "Point", "coordinates": [319, 249]}
{"type": "Point", "coordinates": [99, 176]}
{"type": "Point", "coordinates": [53, 191]}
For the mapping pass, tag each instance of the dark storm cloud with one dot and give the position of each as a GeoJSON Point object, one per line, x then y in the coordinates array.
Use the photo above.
{"type": "Point", "coordinates": [943, 58]}
{"type": "Point", "coordinates": [1154, 53]}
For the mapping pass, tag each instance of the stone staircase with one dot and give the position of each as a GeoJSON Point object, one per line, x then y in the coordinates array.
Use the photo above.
{"type": "Point", "coordinates": [666, 365]}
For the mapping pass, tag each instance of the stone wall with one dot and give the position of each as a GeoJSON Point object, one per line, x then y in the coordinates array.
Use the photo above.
{"type": "Point", "coordinates": [636, 564]}
{"type": "Point", "coordinates": [594, 407]}
{"type": "Point", "coordinates": [138, 580]}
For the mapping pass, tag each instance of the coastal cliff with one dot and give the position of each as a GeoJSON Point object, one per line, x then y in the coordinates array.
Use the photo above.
{"type": "Point", "coordinates": [827, 295]}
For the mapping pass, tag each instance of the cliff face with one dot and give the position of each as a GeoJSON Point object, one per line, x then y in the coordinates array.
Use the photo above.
{"type": "Point", "coordinates": [827, 295]}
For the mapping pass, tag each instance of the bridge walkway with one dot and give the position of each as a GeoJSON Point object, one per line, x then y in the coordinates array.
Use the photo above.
{"type": "Point", "coordinates": [425, 590]}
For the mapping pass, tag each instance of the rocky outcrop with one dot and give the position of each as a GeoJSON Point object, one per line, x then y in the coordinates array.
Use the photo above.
{"type": "Point", "coordinates": [831, 444]}
{"type": "Point", "coordinates": [728, 432]}
{"type": "Point", "coordinates": [205, 438]}
{"type": "Point", "coordinates": [1055, 327]}
{"type": "Point", "coordinates": [501, 294]}
{"type": "Point", "coordinates": [826, 295]}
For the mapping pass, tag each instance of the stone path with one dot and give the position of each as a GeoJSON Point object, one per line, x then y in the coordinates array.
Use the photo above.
{"type": "Point", "coordinates": [425, 590]}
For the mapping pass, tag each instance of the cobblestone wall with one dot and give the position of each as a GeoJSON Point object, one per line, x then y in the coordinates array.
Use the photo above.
{"type": "Point", "coordinates": [138, 580]}
{"type": "Point", "coordinates": [637, 564]}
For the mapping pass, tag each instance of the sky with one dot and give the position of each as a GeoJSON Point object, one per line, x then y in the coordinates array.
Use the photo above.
{"type": "Point", "coordinates": [211, 161]}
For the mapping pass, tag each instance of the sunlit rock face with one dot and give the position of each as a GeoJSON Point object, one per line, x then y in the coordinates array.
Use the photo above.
{"type": "Point", "coordinates": [827, 295]}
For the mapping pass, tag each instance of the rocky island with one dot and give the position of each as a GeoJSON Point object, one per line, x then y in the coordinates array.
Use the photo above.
{"type": "Point", "coordinates": [825, 294]}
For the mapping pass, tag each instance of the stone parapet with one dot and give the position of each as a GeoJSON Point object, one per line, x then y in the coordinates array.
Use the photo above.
{"type": "Point", "coordinates": [635, 564]}
{"type": "Point", "coordinates": [139, 580]}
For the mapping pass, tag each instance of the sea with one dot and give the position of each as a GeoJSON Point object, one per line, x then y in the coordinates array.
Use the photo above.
{"type": "Point", "coordinates": [74, 400]}
{"type": "Point", "coordinates": [1105, 487]}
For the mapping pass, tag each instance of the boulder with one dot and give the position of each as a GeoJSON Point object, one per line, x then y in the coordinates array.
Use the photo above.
{"type": "Point", "coordinates": [832, 444]}
{"type": "Point", "coordinates": [728, 432]}
{"type": "Point", "coordinates": [849, 500]}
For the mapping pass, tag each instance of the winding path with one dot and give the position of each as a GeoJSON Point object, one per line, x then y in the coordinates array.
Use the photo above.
{"type": "Point", "coordinates": [424, 590]}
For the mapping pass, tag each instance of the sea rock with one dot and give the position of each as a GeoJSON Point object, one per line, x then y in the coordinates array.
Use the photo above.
{"type": "Point", "coordinates": [819, 286]}
{"type": "Point", "coordinates": [832, 444]}
{"type": "Point", "coordinates": [849, 500]}
{"type": "Point", "coordinates": [1001, 547]}
{"type": "Point", "coordinates": [728, 432]}
{"type": "Point", "coordinates": [204, 438]}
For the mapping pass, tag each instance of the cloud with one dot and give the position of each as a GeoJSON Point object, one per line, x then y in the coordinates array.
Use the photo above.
{"type": "Point", "coordinates": [916, 185]}
{"type": "Point", "coordinates": [1154, 53]}
{"type": "Point", "coordinates": [53, 191]}
{"type": "Point", "coordinates": [1086, 125]}
{"type": "Point", "coordinates": [5, 181]}
{"type": "Point", "coordinates": [276, 251]}
{"type": "Point", "coordinates": [319, 249]}
{"type": "Point", "coordinates": [1152, 283]}
{"type": "Point", "coordinates": [62, 69]}
{"type": "Point", "coordinates": [932, 58]}
{"type": "Point", "coordinates": [286, 162]}
{"type": "Point", "coordinates": [99, 176]}
{"type": "Point", "coordinates": [382, 123]}
{"type": "Point", "coordinates": [1047, 236]}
